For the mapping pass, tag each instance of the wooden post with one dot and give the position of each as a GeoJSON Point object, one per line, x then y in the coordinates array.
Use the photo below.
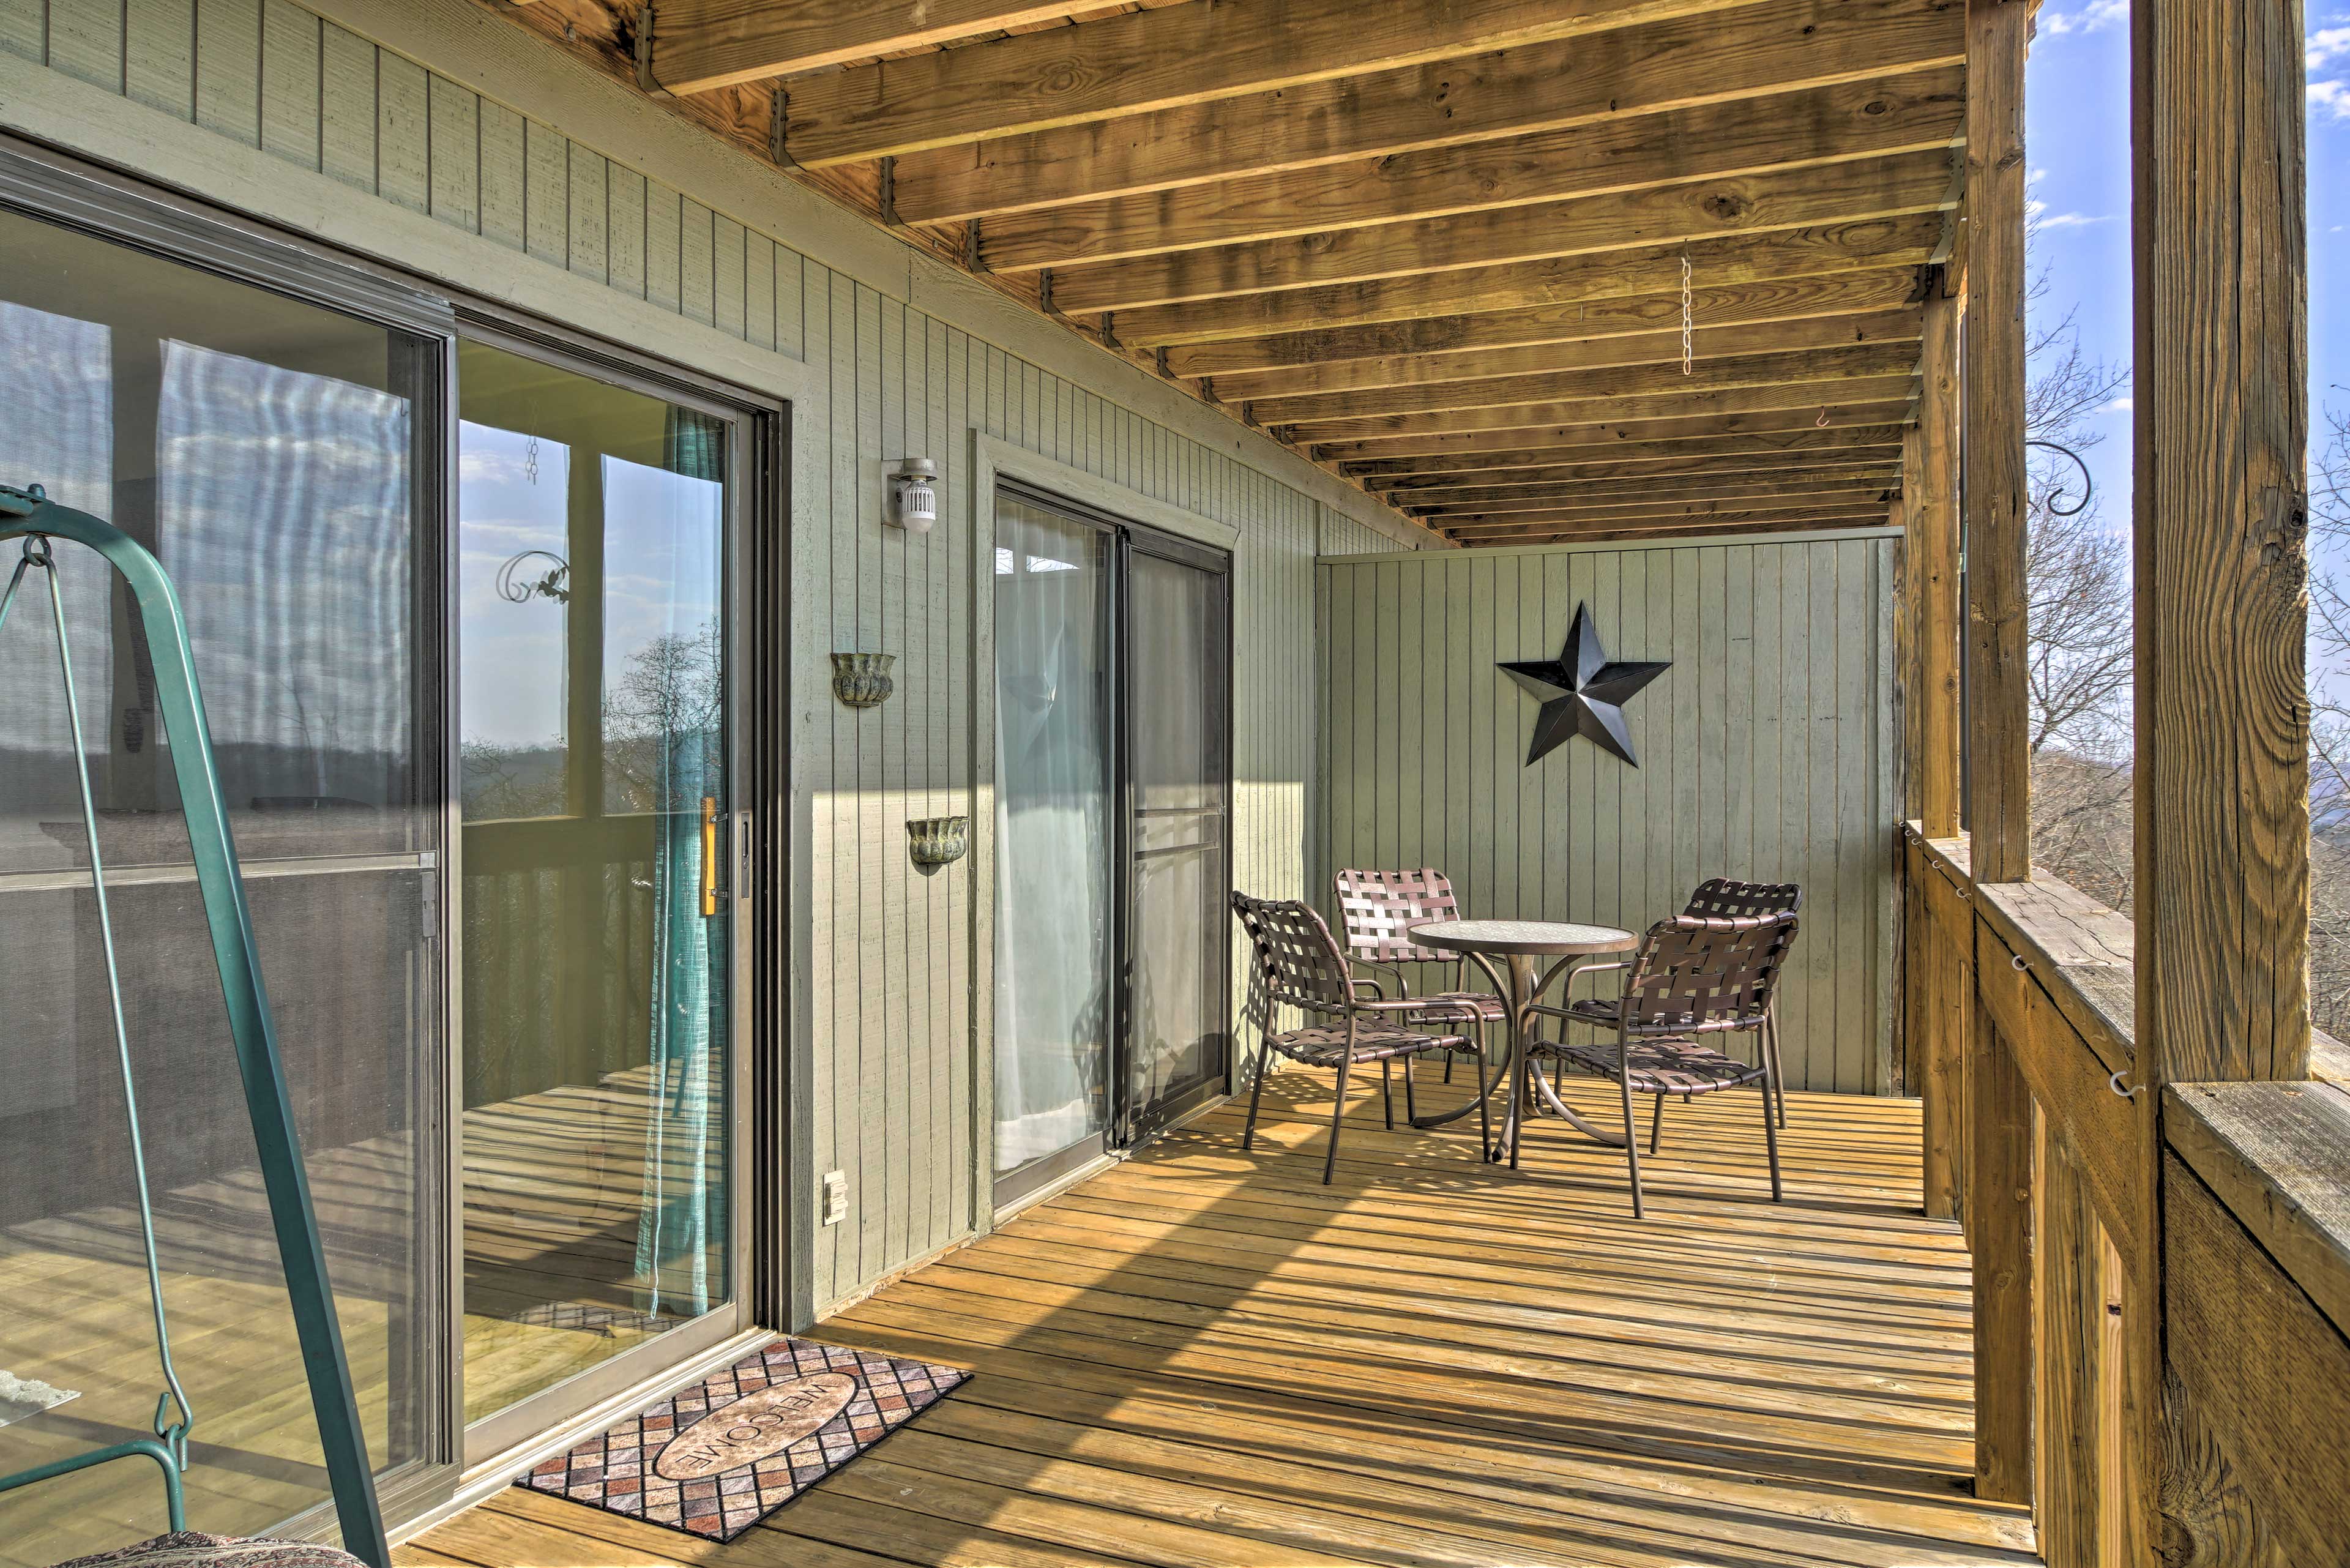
{"type": "Point", "coordinates": [1999, 1228]}
{"type": "Point", "coordinates": [2220, 389]}
{"type": "Point", "coordinates": [1930, 487]}
{"type": "Point", "coordinates": [1999, 762]}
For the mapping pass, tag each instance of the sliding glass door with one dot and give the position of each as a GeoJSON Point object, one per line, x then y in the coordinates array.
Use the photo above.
{"type": "Point", "coordinates": [594, 682]}
{"type": "Point", "coordinates": [1112, 789]}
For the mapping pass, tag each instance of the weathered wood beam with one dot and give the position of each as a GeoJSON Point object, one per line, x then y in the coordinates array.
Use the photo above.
{"type": "Point", "coordinates": [1570, 498]}
{"type": "Point", "coordinates": [1902, 326]}
{"type": "Point", "coordinates": [1819, 297]}
{"type": "Point", "coordinates": [1818, 397]}
{"type": "Point", "coordinates": [1720, 143]}
{"type": "Point", "coordinates": [1411, 489]}
{"type": "Point", "coordinates": [1999, 1229]}
{"type": "Point", "coordinates": [1666, 379]}
{"type": "Point", "coordinates": [1776, 430]}
{"type": "Point", "coordinates": [699, 45]}
{"type": "Point", "coordinates": [1163, 59]}
{"type": "Point", "coordinates": [1931, 493]}
{"type": "Point", "coordinates": [1626, 529]}
{"type": "Point", "coordinates": [1867, 245]}
{"type": "Point", "coordinates": [2221, 380]}
{"type": "Point", "coordinates": [1861, 513]}
{"type": "Point", "coordinates": [1697, 212]}
{"type": "Point", "coordinates": [1796, 445]}
{"type": "Point", "coordinates": [1999, 698]}
{"type": "Point", "coordinates": [1341, 128]}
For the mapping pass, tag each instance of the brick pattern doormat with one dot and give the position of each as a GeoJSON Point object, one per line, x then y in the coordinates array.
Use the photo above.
{"type": "Point", "coordinates": [717, 1458]}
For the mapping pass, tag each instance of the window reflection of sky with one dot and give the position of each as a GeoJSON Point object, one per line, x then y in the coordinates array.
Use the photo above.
{"type": "Point", "coordinates": [661, 578]}
{"type": "Point", "coordinates": [512, 680]}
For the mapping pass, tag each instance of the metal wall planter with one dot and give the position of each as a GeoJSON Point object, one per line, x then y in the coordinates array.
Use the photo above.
{"type": "Point", "coordinates": [862, 679]}
{"type": "Point", "coordinates": [936, 841]}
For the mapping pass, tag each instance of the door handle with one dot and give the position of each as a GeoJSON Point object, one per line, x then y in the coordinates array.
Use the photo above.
{"type": "Point", "coordinates": [709, 854]}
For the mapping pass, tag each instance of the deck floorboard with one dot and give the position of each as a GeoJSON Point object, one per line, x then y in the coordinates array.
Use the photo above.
{"type": "Point", "coordinates": [1204, 1356]}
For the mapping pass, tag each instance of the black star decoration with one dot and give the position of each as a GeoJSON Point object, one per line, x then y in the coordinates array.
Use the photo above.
{"type": "Point", "coordinates": [1582, 692]}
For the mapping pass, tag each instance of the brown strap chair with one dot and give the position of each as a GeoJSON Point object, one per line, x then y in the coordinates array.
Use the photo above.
{"type": "Point", "coordinates": [1298, 964]}
{"type": "Point", "coordinates": [1721, 897]}
{"type": "Point", "coordinates": [1378, 909]}
{"type": "Point", "coordinates": [1693, 975]}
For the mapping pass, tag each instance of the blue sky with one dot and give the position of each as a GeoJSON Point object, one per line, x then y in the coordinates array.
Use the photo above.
{"type": "Point", "coordinates": [2076, 99]}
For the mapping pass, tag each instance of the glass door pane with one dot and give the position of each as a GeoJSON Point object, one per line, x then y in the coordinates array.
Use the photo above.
{"type": "Point", "coordinates": [277, 457]}
{"type": "Point", "coordinates": [1177, 1039]}
{"type": "Point", "coordinates": [593, 525]}
{"type": "Point", "coordinates": [1054, 910]}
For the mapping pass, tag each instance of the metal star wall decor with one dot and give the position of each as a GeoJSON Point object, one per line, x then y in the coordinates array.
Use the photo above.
{"type": "Point", "coordinates": [1582, 692]}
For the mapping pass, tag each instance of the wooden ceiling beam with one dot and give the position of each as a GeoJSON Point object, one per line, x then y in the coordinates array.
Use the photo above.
{"type": "Point", "coordinates": [1451, 188]}
{"type": "Point", "coordinates": [1618, 533]}
{"type": "Point", "coordinates": [1697, 212]}
{"type": "Point", "coordinates": [1775, 429]}
{"type": "Point", "coordinates": [1714, 58]}
{"type": "Point", "coordinates": [1871, 483]}
{"type": "Point", "coordinates": [1837, 516]}
{"type": "Point", "coordinates": [1667, 379]}
{"type": "Point", "coordinates": [1573, 321]}
{"type": "Point", "coordinates": [701, 45]}
{"type": "Point", "coordinates": [1868, 244]}
{"type": "Point", "coordinates": [1799, 396]}
{"type": "Point", "coordinates": [1797, 441]}
{"type": "Point", "coordinates": [1902, 326]}
{"type": "Point", "coordinates": [1144, 61]}
{"type": "Point", "coordinates": [1424, 490]}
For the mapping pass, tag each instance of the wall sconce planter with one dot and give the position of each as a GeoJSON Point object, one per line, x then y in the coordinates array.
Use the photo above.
{"type": "Point", "coordinates": [936, 841]}
{"type": "Point", "coordinates": [862, 679]}
{"type": "Point", "coordinates": [913, 496]}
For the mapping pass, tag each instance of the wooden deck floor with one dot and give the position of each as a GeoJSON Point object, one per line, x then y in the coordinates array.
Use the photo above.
{"type": "Point", "coordinates": [1203, 1357]}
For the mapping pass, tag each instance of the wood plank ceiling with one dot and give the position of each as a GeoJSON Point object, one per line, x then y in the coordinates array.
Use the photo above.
{"type": "Point", "coordinates": [1529, 271]}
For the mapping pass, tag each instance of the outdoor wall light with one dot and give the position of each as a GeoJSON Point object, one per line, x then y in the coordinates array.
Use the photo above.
{"type": "Point", "coordinates": [914, 496]}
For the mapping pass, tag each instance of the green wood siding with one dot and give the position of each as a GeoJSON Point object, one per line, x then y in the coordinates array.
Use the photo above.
{"type": "Point", "coordinates": [885, 1079]}
{"type": "Point", "coordinates": [1766, 751]}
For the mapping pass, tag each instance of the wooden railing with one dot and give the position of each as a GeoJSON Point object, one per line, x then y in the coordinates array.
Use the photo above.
{"type": "Point", "coordinates": [2162, 1280]}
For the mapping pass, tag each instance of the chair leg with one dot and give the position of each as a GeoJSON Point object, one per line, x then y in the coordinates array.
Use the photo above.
{"type": "Point", "coordinates": [1631, 1126]}
{"type": "Point", "coordinates": [1656, 1125]}
{"type": "Point", "coordinates": [1410, 1105]}
{"type": "Point", "coordinates": [1330, 1160]}
{"type": "Point", "coordinates": [1778, 1068]}
{"type": "Point", "coordinates": [1256, 1095]}
{"type": "Point", "coordinates": [1771, 1135]}
{"type": "Point", "coordinates": [1484, 1104]}
{"type": "Point", "coordinates": [1448, 1066]}
{"type": "Point", "coordinates": [1514, 1119]}
{"type": "Point", "coordinates": [1387, 1089]}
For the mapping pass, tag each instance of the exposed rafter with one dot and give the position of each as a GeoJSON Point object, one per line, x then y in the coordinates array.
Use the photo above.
{"type": "Point", "coordinates": [1350, 123]}
{"type": "Point", "coordinates": [699, 45]}
{"type": "Point", "coordinates": [1148, 60]}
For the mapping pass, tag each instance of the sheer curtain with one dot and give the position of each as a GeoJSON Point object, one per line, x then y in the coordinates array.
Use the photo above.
{"type": "Point", "coordinates": [1052, 741]}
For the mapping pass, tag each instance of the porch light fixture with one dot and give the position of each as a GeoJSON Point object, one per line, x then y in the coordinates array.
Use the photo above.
{"type": "Point", "coordinates": [914, 496]}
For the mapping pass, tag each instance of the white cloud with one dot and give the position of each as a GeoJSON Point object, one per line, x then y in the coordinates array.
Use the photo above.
{"type": "Point", "coordinates": [2088, 18]}
{"type": "Point", "coordinates": [2327, 45]}
{"type": "Point", "coordinates": [2331, 99]}
{"type": "Point", "coordinates": [2034, 176]}
{"type": "Point", "coordinates": [2037, 214]}
{"type": "Point", "coordinates": [2119, 406]}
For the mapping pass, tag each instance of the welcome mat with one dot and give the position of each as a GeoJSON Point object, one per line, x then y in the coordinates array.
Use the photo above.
{"type": "Point", "coordinates": [717, 1458]}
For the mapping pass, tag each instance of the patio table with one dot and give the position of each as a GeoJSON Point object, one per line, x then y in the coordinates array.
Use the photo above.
{"type": "Point", "coordinates": [1521, 945]}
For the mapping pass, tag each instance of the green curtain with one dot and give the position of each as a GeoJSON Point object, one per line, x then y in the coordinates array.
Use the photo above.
{"type": "Point", "coordinates": [682, 1226]}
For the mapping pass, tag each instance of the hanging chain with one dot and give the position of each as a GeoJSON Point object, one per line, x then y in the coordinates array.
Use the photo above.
{"type": "Point", "coordinates": [1688, 321]}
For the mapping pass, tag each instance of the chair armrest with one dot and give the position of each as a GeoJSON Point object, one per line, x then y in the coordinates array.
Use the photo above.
{"type": "Point", "coordinates": [1403, 986]}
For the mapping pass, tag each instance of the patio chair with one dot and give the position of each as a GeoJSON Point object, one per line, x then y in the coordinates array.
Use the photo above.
{"type": "Point", "coordinates": [1693, 975]}
{"type": "Point", "coordinates": [1722, 898]}
{"type": "Point", "coordinates": [1378, 909]}
{"type": "Point", "coordinates": [1298, 963]}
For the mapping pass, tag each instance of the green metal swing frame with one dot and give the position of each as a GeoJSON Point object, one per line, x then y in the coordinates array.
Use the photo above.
{"type": "Point", "coordinates": [28, 514]}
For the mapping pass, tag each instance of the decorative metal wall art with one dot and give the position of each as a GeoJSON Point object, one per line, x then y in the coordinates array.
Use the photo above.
{"type": "Point", "coordinates": [862, 679]}
{"type": "Point", "coordinates": [936, 841]}
{"type": "Point", "coordinates": [1582, 692]}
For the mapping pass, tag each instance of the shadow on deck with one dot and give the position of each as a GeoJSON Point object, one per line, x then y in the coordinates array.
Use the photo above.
{"type": "Point", "coordinates": [1204, 1356]}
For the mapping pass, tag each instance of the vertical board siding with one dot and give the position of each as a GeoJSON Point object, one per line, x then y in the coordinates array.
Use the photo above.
{"type": "Point", "coordinates": [1765, 751]}
{"type": "Point", "coordinates": [894, 1087]}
